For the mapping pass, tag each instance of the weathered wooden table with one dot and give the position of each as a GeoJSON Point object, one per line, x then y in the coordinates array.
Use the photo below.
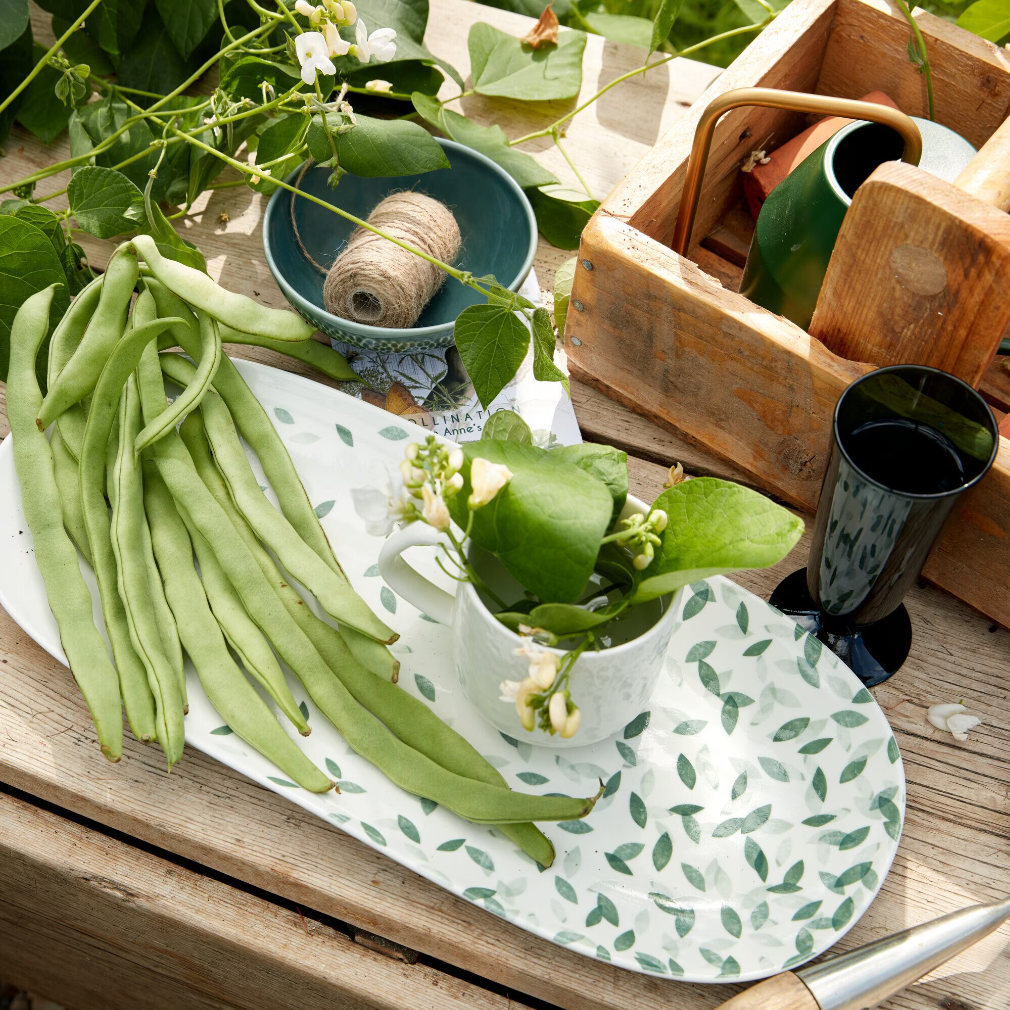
{"type": "Point", "coordinates": [121, 886]}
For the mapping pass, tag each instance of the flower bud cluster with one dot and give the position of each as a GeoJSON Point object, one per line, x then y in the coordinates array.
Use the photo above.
{"type": "Point", "coordinates": [431, 475]}
{"type": "Point", "coordinates": [315, 49]}
{"type": "Point", "coordinates": [542, 693]}
{"type": "Point", "coordinates": [642, 535]}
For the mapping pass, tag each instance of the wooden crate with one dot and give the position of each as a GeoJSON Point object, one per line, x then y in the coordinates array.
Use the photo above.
{"type": "Point", "coordinates": [669, 336]}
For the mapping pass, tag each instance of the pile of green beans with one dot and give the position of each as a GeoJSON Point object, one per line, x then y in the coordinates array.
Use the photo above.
{"type": "Point", "coordinates": [161, 500]}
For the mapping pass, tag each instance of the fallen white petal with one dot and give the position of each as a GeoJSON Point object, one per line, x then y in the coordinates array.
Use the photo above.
{"type": "Point", "coordinates": [960, 724]}
{"type": "Point", "coordinates": [939, 714]}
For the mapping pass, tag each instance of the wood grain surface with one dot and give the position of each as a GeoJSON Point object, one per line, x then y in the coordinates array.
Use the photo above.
{"type": "Point", "coordinates": [955, 848]}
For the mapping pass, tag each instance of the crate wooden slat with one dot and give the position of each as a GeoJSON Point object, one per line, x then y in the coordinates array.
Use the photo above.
{"type": "Point", "coordinates": [662, 337]}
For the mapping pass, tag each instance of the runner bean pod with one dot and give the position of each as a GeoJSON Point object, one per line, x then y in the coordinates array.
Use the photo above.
{"type": "Point", "coordinates": [232, 696]}
{"type": "Point", "coordinates": [69, 597]}
{"type": "Point", "coordinates": [258, 430]}
{"type": "Point", "coordinates": [80, 374]}
{"type": "Point", "coordinates": [68, 481]}
{"type": "Point", "coordinates": [136, 589]}
{"type": "Point", "coordinates": [236, 310]}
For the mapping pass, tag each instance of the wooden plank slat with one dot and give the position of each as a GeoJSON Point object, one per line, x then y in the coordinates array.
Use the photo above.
{"type": "Point", "coordinates": [100, 925]}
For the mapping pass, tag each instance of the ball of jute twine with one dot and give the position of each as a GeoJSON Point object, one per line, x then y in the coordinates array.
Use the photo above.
{"type": "Point", "coordinates": [376, 282]}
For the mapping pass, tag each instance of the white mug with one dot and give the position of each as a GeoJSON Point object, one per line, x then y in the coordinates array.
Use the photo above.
{"type": "Point", "coordinates": [610, 686]}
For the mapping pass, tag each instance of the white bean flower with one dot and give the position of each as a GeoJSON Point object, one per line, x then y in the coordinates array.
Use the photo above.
{"type": "Point", "coordinates": [558, 711]}
{"type": "Point", "coordinates": [379, 44]}
{"type": "Point", "coordinates": [954, 719]}
{"type": "Point", "coordinates": [335, 45]}
{"type": "Point", "coordinates": [307, 10]}
{"type": "Point", "coordinates": [313, 56]}
{"type": "Point", "coordinates": [381, 87]}
{"type": "Point", "coordinates": [509, 691]}
{"type": "Point", "coordinates": [486, 479]}
{"type": "Point", "coordinates": [381, 508]}
{"type": "Point", "coordinates": [434, 512]}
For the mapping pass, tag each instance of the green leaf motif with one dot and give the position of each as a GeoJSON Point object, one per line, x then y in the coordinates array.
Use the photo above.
{"type": "Point", "coordinates": [427, 688]}
{"type": "Point", "coordinates": [566, 890]}
{"type": "Point", "coordinates": [224, 731]}
{"type": "Point", "coordinates": [730, 714]}
{"type": "Point", "coordinates": [625, 941]}
{"type": "Point", "coordinates": [608, 910]}
{"type": "Point", "coordinates": [649, 963]}
{"type": "Point", "coordinates": [690, 727]}
{"type": "Point", "coordinates": [638, 812]}
{"type": "Point", "coordinates": [408, 828]}
{"type": "Point", "coordinates": [755, 856]}
{"type": "Point", "coordinates": [728, 827]}
{"type": "Point", "coordinates": [388, 599]}
{"type": "Point", "coordinates": [742, 617]}
{"type": "Point", "coordinates": [843, 913]}
{"type": "Point", "coordinates": [575, 827]}
{"type": "Point", "coordinates": [804, 942]}
{"type": "Point", "coordinates": [345, 435]}
{"type": "Point", "coordinates": [427, 806]}
{"type": "Point", "coordinates": [566, 936]}
{"type": "Point", "coordinates": [853, 874]}
{"type": "Point", "coordinates": [283, 416]}
{"type": "Point", "coordinates": [819, 820]}
{"type": "Point", "coordinates": [892, 751]}
{"type": "Point", "coordinates": [808, 911]}
{"type": "Point", "coordinates": [819, 784]}
{"type": "Point", "coordinates": [694, 876]}
{"type": "Point", "coordinates": [731, 921]}
{"type": "Point", "coordinates": [675, 969]}
{"type": "Point", "coordinates": [637, 726]}
{"type": "Point", "coordinates": [502, 66]}
{"type": "Point", "coordinates": [627, 754]}
{"type": "Point", "coordinates": [730, 967]}
{"type": "Point", "coordinates": [862, 697]}
{"type": "Point", "coordinates": [791, 730]}
{"type": "Point", "coordinates": [350, 787]}
{"type": "Point", "coordinates": [618, 864]}
{"type": "Point", "coordinates": [324, 508]}
{"type": "Point", "coordinates": [283, 782]}
{"type": "Point", "coordinates": [372, 833]}
{"type": "Point", "coordinates": [691, 828]}
{"type": "Point", "coordinates": [758, 647]}
{"type": "Point", "coordinates": [849, 719]}
{"type": "Point", "coordinates": [815, 746]}
{"type": "Point", "coordinates": [530, 778]}
{"type": "Point", "coordinates": [853, 770]}
{"type": "Point", "coordinates": [757, 818]}
{"type": "Point", "coordinates": [452, 845]}
{"type": "Point", "coordinates": [613, 784]}
{"type": "Point", "coordinates": [854, 838]}
{"type": "Point", "coordinates": [774, 769]}
{"type": "Point", "coordinates": [759, 916]}
{"type": "Point", "coordinates": [479, 893]}
{"type": "Point", "coordinates": [480, 857]}
{"type": "Point", "coordinates": [662, 851]}
{"type": "Point", "coordinates": [812, 649]}
{"type": "Point", "coordinates": [709, 678]}
{"type": "Point", "coordinates": [629, 850]}
{"type": "Point", "coordinates": [394, 433]}
{"type": "Point", "coordinates": [700, 651]}
{"type": "Point", "coordinates": [686, 771]}
{"type": "Point", "coordinates": [686, 809]}
{"type": "Point", "coordinates": [739, 786]}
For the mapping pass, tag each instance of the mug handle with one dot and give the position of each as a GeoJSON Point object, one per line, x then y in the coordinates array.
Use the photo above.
{"type": "Point", "coordinates": [406, 581]}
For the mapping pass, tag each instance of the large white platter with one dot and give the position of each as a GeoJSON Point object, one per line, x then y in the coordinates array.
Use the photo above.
{"type": "Point", "coordinates": [751, 813]}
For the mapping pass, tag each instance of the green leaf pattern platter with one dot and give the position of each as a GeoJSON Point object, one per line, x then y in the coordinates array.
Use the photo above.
{"type": "Point", "coordinates": [751, 811]}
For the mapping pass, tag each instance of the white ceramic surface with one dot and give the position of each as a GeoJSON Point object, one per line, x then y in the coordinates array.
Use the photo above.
{"type": "Point", "coordinates": [610, 687]}
{"type": "Point", "coordinates": [752, 809]}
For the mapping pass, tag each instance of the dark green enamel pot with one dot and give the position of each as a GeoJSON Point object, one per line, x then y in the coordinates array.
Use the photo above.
{"type": "Point", "coordinates": [799, 222]}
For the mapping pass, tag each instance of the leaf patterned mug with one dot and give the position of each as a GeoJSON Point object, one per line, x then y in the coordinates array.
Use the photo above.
{"type": "Point", "coordinates": [610, 686]}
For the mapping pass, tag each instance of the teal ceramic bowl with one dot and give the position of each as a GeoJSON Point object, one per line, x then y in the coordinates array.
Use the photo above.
{"type": "Point", "coordinates": [496, 223]}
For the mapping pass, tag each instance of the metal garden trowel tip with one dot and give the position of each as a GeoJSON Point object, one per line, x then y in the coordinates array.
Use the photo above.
{"type": "Point", "coordinates": [867, 976]}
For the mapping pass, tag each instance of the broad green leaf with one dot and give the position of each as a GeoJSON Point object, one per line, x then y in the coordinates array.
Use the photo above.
{"type": "Point", "coordinates": [280, 139]}
{"type": "Point", "coordinates": [843, 913]}
{"type": "Point", "coordinates": [15, 64]}
{"type": "Point", "coordinates": [988, 18]}
{"type": "Point", "coordinates": [854, 839]}
{"type": "Point", "coordinates": [853, 874]}
{"type": "Point", "coordinates": [28, 263]}
{"type": "Point", "coordinates": [774, 769]}
{"type": "Point", "coordinates": [152, 63]}
{"type": "Point", "coordinates": [758, 647]}
{"type": "Point", "coordinates": [81, 47]}
{"type": "Point", "coordinates": [492, 142]}
{"type": "Point", "coordinates": [406, 77]}
{"type": "Point", "coordinates": [502, 66]}
{"type": "Point", "coordinates": [613, 784]}
{"type": "Point", "coordinates": [716, 527]}
{"type": "Point", "coordinates": [564, 277]}
{"type": "Point", "coordinates": [13, 21]}
{"type": "Point", "coordinates": [544, 368]}
{"type": "Point", "coordinates": [187, 21]}
{"type": "Point", "coordinates": [565, 619]}
{"type": "Point", "coordinates": [728, 827]}
{"type": "Point", "coordinates": [610, 465]}
{"type": "Point", "coordinates": [663, 22]}
{"type": "Point", "coordinates": [378, 147]}
{"type": "Point", "coordinates": [105, 202]}
{"type": "Point", "coordinates": [562, 214]}
{"type": "Point", "coordinates": [819, 820]}
{"type": "Point", "coordinates": [808, 911]}
{"type": "Point", "coordinates": [492, 342]}
{"type": "Point", "coordinates": [507, 426]}
{"type": "Point", "coordinates": [626, 28]}
{"type": "Point", "coordinates": [114, 24]}
{"type": "Point", "coordinates": [618, 864]}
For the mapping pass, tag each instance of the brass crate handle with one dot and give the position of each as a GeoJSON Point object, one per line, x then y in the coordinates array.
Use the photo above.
{"type": "Point", "coordinates": [772, 98]}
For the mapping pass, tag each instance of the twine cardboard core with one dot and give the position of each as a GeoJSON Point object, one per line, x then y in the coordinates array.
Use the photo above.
{"type": "Point", "coordinates": [378, 283]}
